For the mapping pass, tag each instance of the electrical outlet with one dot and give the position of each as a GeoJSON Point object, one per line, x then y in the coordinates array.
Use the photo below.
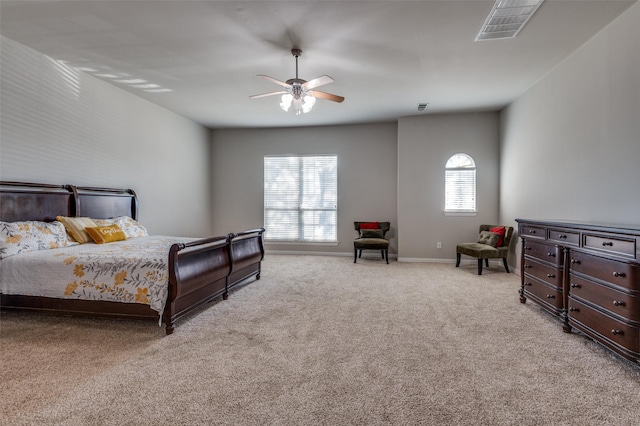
{"type": "Point", "coordinates": [439, 245]}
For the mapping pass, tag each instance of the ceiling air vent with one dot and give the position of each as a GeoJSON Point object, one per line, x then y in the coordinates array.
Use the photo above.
{"type": "Point", "coordinates": [507, 18]}
{"type": "Point", "coordinates": [422, 107]}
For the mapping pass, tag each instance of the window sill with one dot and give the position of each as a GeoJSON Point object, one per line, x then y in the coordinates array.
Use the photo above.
{"type": "Point", "coordinates": [460, 213]}
{"type": "Point", "coordinates": [301, 243]}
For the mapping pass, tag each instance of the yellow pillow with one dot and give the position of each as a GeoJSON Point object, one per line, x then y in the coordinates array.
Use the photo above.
{"type": "Point", "coordinates": [106, 234]}
{"type": "Point", "coordinates": [75, 227]}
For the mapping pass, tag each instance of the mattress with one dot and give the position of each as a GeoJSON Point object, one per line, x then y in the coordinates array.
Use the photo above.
{"type": "Point", "coordinates": [130, 271]}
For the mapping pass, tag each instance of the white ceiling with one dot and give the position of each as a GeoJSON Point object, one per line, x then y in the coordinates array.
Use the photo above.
{"type": "Point", "coordinates": [385, 56]}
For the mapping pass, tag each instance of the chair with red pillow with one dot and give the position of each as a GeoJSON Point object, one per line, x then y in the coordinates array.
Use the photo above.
{"type": "Point", "coordinates": [492, 243]}
{"type": "Point", "coordinates": [371, 236]}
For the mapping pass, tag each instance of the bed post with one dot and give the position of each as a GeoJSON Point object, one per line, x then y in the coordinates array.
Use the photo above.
{"type": "Point", "coordinates": [230, 238]}
{"type": "Point", "coordinates": [172, 291]}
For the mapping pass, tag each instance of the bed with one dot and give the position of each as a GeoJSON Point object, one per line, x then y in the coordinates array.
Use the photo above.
{"type": "Point", "coordinates": [192, 271]}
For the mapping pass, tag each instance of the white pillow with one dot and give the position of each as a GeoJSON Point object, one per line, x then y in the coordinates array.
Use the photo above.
{"type": "Point", "coordinates": [22, 237]}
{"type": "Point", "coordinates": [131, 227]}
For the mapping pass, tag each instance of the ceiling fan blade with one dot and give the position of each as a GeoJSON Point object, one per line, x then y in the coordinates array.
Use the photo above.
{"type": "Point", "coordinates": [317, 82]}
{"type": "Point", "coordinates": [327, 96]}
{"type": "Point", "coordinates": [273, 80]}
{"type": "Point", "coordinates": [262, 95]}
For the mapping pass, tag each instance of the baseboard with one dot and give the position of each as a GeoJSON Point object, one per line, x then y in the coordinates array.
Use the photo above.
{"type": "Point", "coordinates": [425, 260]}
{"type": "Point", "coordinates": [373, 255]}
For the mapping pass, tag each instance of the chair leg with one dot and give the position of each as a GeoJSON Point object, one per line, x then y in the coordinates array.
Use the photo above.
{"type": "Point", "coordinates": [382, 253]}
{"type": "Point", "coordinates": [479, 266]}
{"type": "Point", "coordinates": [385, 255]}
{"type": "Point", "coordinates": [486, 263]}
{"type": "Point", "coordinates": [355, 255]}
{"type": "Point", "coordinates": [360, 254]}
{"type": "Point", "coordinates": [506, 265]}
{"type": "Point", "coordinates": [457, 259]}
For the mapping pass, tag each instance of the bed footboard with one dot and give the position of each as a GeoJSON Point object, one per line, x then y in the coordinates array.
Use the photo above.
{"type": "Point", "coordinates": [198, 274]}
{"type": "Point", "coordinates": [247, 252]}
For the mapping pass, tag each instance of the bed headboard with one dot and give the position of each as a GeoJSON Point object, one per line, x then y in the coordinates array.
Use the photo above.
{"type": "Point", "coordinates": [21, 201]}
{"type": "Point", "coordinates": [103, 203]}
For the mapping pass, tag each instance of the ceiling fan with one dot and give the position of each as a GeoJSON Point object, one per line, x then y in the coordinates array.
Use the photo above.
{"type": "Point", "coordinates": [300, 93]}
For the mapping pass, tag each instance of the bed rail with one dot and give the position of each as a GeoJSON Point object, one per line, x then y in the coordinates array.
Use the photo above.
{"type": "Point", "coordinates": [198, 272]}
{"type": "Point", "coordinates": [247, 252]}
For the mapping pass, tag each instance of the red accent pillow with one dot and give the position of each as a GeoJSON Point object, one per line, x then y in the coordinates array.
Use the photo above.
{"type": "Point", "coordinates": [370, 225]}
{"type": "Point", "coordinates": [500, 230]}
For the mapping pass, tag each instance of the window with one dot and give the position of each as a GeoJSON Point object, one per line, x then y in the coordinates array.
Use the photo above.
{"type": "Point", "coordinates": [301, 198]}
{"type": "Point", "coordinates": [460, 184]}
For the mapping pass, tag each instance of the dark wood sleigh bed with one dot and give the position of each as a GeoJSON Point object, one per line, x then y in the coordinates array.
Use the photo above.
{"type": "Point", "coordinates": [199, 271]}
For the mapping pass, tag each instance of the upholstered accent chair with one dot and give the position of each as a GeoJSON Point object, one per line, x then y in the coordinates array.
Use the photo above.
{"type": "Point", "coordinates": [371, 236]}
{"type": "Point", "coordinates": [489, 245]}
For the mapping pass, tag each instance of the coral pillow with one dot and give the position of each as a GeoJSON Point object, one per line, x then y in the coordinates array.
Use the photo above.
{"type": "Point", "coordinates": [500, 230]}
{"type": "Point", "coordinates": [369, 225]}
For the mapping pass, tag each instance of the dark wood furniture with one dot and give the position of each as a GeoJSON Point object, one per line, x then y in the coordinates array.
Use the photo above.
{"type": "Point", "coordinates": [199, 271]}
{"type": "Point", "coordinates": [589, 276]}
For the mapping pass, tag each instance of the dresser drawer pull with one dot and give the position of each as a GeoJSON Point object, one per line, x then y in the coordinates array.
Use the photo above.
{"type": "Point", "coordinates": [574, 310]}
{"type": "Point", "coordinates": [528, 284]}
{"type": "Point", "coordinates": [576, 286]}
{"type": "Point", "coordinates": [618, 303]}
{"type": "Point", "coordinates": [562, 236]}
{"type": "Point", "coordinates": [551, 254]}
{"type": "Point", "coordinates": [619, 274]}
{"type": "Point", "coordinates": [551, 276]}
{"type": "Point", "coordinates": [616, 332]}
{"type": "Point", "coordinates": [532, 231]}
{"type": "Point", "coordinates": [551, 296]}
{"type": "Point", "coordinates": [607, 243]}
{"type": "Point", "coordinates": [528, 266]}
{"type": "Point", "coordinates": [575, 262]}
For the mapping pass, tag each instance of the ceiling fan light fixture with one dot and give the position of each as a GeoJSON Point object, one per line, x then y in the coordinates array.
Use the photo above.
{"type": "Point", "coordinates": [307, 103]}
{"type": "Point", "coordinates": [300, 93]}
{"type": "Point", "coordinates": [286, 100]}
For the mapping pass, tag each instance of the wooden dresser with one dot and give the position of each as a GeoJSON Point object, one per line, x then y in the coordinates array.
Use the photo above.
{"type": "Point", "coordinates": [588, 275]}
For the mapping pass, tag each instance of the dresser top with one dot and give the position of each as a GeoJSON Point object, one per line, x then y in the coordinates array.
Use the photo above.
{"type": "Point", "coordinates": [588, 226]}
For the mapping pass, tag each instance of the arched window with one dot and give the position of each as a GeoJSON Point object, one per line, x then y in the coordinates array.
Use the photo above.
{"type": "Point", "coordinates": [460, 184]}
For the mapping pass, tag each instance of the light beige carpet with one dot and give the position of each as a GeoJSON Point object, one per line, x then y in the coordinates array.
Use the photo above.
{"type": "Point", "coordinates": [320, 340]}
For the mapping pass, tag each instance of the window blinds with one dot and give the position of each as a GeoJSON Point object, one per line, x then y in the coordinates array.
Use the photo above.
{"type": "Point", "coordinates": [301, 198]}
{"type": "Point", "coordinates": [460, 191]}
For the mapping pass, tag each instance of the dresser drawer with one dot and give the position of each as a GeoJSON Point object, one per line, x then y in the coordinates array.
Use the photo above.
{"type": "Point", "coordinates": [543, 292]}
{"type": "Point", "coordinates": [564, 238]}
{"type": "Point", "coordinates": [613, 330]}
{"type": "Point", "coordinates": [621, 274]}
{"type": "Point", "coordinates": [546, 252]}
{"type": "Point", "coordinates": [529, 231]}
{"type": "Point", "coordinates": [548, 274]}
{"type": "Point", "coordinates": [623, 304]}
{"type": "Point", "coordinates": [617, 245]}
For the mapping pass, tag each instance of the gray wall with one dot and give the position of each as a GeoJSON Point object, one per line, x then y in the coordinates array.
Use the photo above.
{"type": "Point", "coordinates": [425, 143]}
{"type": "Point", "coordinates": [61, 126]}
{"type": "Point", "coordinates": [571, 145]}
{"type": "Point", "coordinates": [367, 171]}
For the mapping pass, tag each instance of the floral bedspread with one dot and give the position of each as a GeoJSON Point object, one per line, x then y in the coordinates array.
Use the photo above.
{"type": "Point", "coordinates": [129, 271]}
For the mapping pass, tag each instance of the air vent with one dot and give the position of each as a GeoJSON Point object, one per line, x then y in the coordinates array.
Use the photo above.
{"type": "Point", "coordinates": [422, 107]}
{"type": "Point", "coordinates": [507, 18]}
